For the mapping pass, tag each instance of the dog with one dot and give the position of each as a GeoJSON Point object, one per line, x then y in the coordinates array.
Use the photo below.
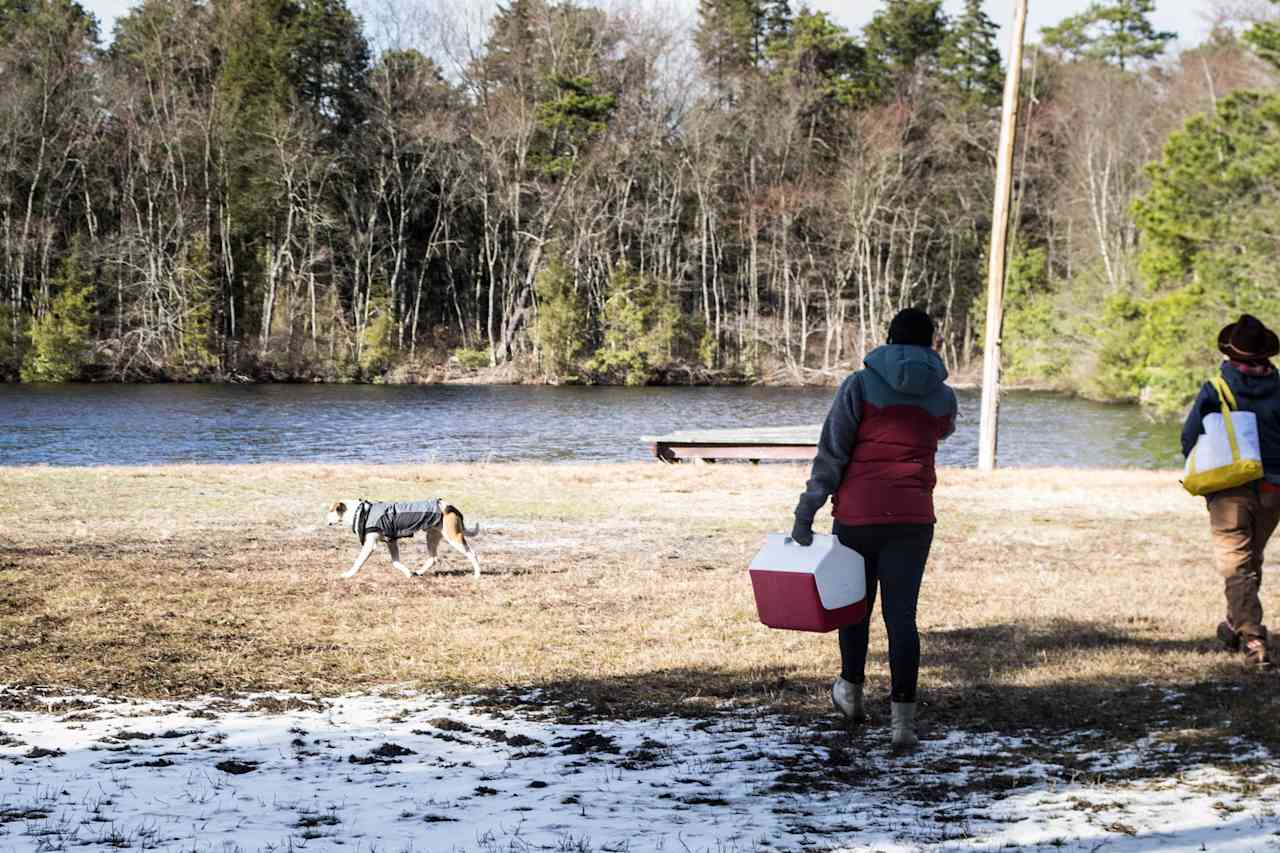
{"type": "Point", "coordinates": [379, 521]}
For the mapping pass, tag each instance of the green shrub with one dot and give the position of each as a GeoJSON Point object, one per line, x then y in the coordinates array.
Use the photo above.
{"type": "Point", "coordinates": [1177, 343]}
{"type": "Point", "coordinates": [377, 342]}
{"type": "Point", "coordinates": [561, 320]}
{"type": "Point", "coordinates": [1118, 374]}
{"type": "Point", "coordinates": [197, 348]}
{"type": "Point", "coordinates": [641, 323]}
{"type": "Point", "coordinates": [708, 350]}
{"type": "Point", "coordinates": [1034, 336]}
{"type": "Point", "coordinates": [60, 337]}
{"type": "Point", "coordinates": [10, 349]}
{"type": "Point", "coordinates": [1158, 350]}
{"type": "Point", "coordinates": [471, 358]}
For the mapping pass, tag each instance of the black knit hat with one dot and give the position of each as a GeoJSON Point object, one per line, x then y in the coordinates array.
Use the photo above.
{"type": "Point", "coordinates": [1248, 339]}
{"type": "Point", "coordinates": [911, 326]}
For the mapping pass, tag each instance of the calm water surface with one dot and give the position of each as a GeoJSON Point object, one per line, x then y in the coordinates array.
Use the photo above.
{"type": "Point", "coordinates": [156, 424]}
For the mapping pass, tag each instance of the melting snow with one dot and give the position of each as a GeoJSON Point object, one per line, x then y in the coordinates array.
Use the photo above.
{"type": "Point", "coordinates": [417, 773]}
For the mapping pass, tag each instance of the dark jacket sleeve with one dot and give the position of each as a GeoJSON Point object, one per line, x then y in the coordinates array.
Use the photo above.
{"type": "Point", "coordinates": [1206, 401]}
{"type": "Point", "coordinates": [839, 434]}
{"type": "Point", "coordinates": [951, 419]}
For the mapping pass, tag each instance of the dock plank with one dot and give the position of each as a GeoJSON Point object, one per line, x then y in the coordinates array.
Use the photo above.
{"type": "Point", "coordinates": [796, 442]}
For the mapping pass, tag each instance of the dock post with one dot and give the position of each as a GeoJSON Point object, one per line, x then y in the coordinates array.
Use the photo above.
{"type": "Point", "coordinates": [989, 427]}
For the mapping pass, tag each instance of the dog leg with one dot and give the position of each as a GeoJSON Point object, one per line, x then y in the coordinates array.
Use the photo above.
{"type": "Point", "coordinates": [461, 545]}
{"type": "Point", "coordinates": [395, 558]}
{"type": "Point", "coordinates": [455, 534]}
{"type": "Point", "coordinates": [370, 542]}
{"type": "Point", "coordinates": [433, 542]}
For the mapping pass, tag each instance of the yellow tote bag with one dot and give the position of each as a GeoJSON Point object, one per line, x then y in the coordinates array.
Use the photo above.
{"type": "Point", "coordinates": [1227, 454]}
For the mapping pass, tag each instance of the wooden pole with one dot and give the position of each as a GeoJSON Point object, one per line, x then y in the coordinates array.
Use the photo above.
{"type": "Point", "coordinates": [988, 429]}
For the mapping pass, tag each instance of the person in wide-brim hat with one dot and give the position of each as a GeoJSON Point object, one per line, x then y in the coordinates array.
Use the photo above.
{"type": "Point", "coordinates": [1242, 519]}
{"type": "Point", "coordinates": [1248, 340]}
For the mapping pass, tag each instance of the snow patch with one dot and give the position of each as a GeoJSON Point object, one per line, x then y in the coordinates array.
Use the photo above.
{"type": "Point", "coordinates": [411, 772]}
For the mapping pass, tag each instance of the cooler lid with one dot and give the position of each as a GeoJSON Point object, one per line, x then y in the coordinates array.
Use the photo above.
{"type": "Point", "coordinates": [781, 554]}
{"type": "Point", "coordinates": [838, 572]}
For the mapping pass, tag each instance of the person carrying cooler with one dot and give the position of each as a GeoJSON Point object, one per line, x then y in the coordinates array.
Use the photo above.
{"type": "Point", "coordinates": [1242, 519]}
{"type": "Point", "coordinates": [875, 461]}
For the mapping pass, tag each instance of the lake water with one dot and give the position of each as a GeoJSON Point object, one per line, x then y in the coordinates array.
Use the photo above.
{"type": "Point", "coordinates": [157, 424]}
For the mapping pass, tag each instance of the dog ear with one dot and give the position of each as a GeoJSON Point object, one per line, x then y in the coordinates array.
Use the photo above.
{"type": "Point", "coordinates": [338, 507]}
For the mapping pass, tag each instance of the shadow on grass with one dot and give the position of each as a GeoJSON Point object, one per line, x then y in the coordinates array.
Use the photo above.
{"type": "Point", "coordinates": [494, 571]}
{"type": "Point", "coordinates": [1068, 691]}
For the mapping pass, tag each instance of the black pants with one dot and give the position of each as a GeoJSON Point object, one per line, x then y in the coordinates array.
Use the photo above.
{"type": "Point", "coordinates": [895, 555]}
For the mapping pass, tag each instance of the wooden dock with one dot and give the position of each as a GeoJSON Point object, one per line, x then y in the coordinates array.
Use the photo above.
{"type": "Point", "coordinates": [797, 443]}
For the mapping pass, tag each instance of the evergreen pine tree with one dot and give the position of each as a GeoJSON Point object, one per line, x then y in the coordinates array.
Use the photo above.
{"type": "Point", "coordinates": [329, 63]}
{"type": "Point", "coordinates": [509, 52]}
{"type": "Point", "coordinates": [724, 37]}
{"type": "Point", "coordinates": [775, 23]}
{"type": "Point", "coordinates": [734, 36]}
{"type": "Point", "coordinates": [903, 33]}
{"type": "Point", "coordinates": [969, 56]}
{"type": "Point", "coordinates": [1115, 31]}
{"type": "Point", "coordinates": [822, 63]}
{"type": "Point", "coordinates": [1070, 37]}
{"type": "Point", "coordinates": [569, 122]}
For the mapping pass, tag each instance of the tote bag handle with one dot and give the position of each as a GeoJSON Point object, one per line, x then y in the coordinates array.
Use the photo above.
{"type": "Point", "coordinates": [1228, 403]}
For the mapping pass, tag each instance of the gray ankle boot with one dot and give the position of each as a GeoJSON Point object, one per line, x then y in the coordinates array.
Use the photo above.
{"type": "Point", "coordinates": [847, 697]}
{"type": "Point", "coordinates": [904, 725]}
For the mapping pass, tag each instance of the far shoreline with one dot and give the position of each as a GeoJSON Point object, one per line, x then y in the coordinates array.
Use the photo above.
{"type": "Point", "coordinates": [480, 380]}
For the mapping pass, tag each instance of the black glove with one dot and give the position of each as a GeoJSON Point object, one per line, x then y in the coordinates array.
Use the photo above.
{"type": "Point", "coordinates": [802, 532]}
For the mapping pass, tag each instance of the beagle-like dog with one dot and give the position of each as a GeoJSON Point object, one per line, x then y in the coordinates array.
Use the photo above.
{"type": "Point", "coordinates": [379, 521]}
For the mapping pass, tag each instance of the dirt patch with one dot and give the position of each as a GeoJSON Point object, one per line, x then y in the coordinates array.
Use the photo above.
{"type": "Point", "coordinates": [392, 750]}
{"type": "Point", "coordinates": [587, 743]}
{"type": "Point", "coordinates": [40, 752]}
{"type": "Point", "coordinates": [447, 725]}
{"type": "Point", "coordinates": [235, 767]}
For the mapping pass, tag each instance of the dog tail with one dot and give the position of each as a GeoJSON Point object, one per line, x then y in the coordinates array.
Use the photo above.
{"type": "Point", "coordinates": [462, 522]}
{"type": "Point", "coordinates": [469, 532]}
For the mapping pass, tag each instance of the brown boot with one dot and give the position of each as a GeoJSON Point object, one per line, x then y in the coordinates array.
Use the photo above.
{"type": "Point", "coordinates": [1255, 650]}
{"type": "Point", "coordinates": [1230, 639]}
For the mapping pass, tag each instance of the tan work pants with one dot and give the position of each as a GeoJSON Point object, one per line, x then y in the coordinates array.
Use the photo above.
{"type": "Point", "coordinates": [1242, 521]}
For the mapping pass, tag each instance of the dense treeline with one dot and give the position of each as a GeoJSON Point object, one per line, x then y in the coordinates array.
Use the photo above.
{"type": "Point", "coordinates": [249, 188]}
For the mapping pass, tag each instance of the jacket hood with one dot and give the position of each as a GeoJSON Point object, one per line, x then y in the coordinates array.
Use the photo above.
{"type": "Point", "coordinates": [1247, 385]}
{"type": "Point", "coordinates": [912, 370]}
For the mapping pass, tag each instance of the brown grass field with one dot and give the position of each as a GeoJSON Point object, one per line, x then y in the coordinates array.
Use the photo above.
{"type": "Point", "coordinates": [1055, 600]}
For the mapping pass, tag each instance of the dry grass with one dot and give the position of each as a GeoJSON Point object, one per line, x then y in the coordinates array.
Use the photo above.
{"type": "Point", "coordinates": [1053, 600]}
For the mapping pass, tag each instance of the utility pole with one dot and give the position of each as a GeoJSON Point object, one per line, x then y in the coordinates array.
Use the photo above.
{"type": "Point", "coordinates": [999, 240]}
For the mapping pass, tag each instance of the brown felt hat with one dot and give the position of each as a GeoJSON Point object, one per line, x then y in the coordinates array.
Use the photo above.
{"type": "Point", "coordinates": [1247, 339]}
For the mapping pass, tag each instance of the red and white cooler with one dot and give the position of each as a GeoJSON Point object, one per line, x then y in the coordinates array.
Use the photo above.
{"type": "Point", "coordinates": [819, 587]}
